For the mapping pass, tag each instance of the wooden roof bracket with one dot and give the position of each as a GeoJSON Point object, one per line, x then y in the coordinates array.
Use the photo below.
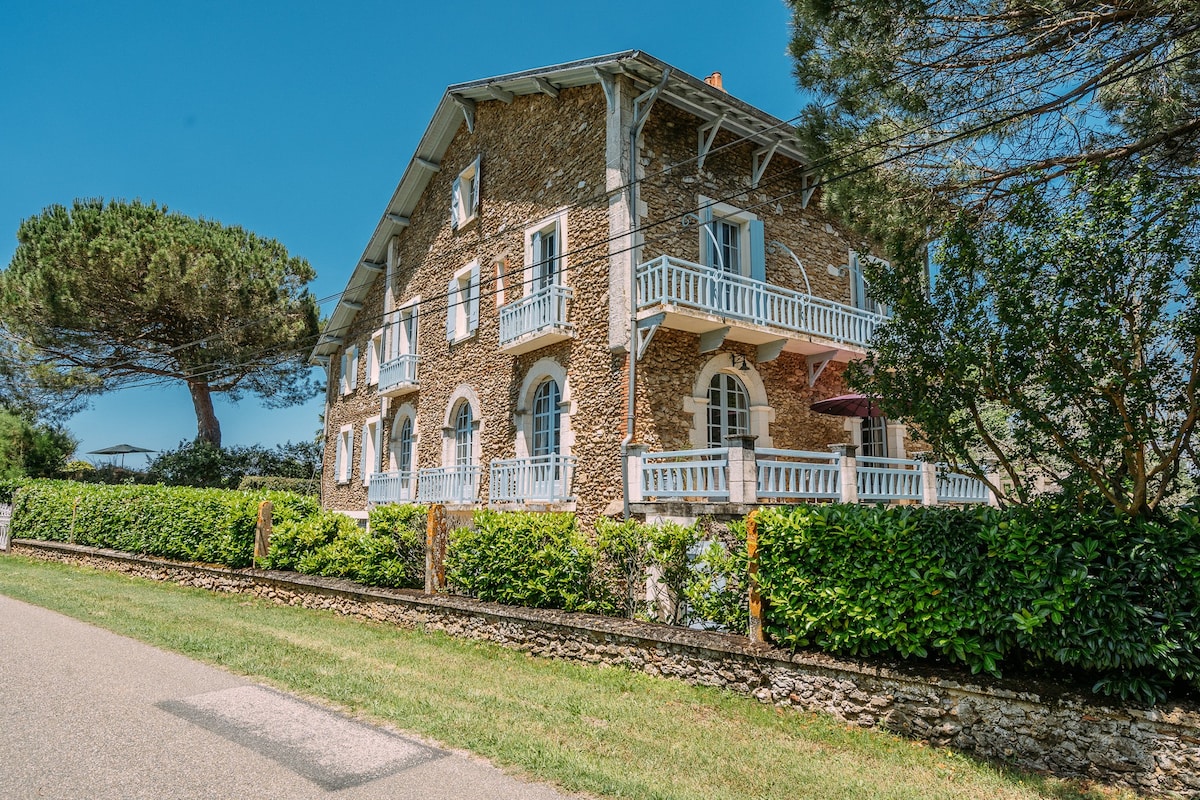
{"type": "Point", "coordinates": [762, 157]}
{"type": "Point", "coordinates": [503, 95]}
{"type": "Point", "coordinates": [467, 105]}
{"type": "Point", "coordinates": [810, 186]}
{"type": "Point", "coordinates": [546, 87]}
{"type": "Point", "coordinates": [707, 135]}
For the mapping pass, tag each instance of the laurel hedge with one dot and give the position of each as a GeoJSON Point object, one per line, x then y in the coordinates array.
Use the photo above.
{"type": "Point", "coordinates": [206, 525]}
{"type": "Point", "coordinates": [1048, 588]}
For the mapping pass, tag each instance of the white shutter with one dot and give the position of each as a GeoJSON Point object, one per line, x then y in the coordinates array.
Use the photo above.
{"type": "Point", "coordinates": [451, 308]}
{"type": "Point", "coordinates": [455, 194]}
{"type": "Point", "coordinates": [364, 457]}
{"type": "Point", "coordinates": [475, 190]}
{"type": "Point", "coordinates": [353, 367]}
{"type": "Point", "coordinates": [535, 245]}
{"type": "Point", "coordinates": [473, 300]}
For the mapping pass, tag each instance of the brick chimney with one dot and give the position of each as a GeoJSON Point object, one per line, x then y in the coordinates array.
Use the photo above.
{"type": "Point", "coordinates": [714, 80]}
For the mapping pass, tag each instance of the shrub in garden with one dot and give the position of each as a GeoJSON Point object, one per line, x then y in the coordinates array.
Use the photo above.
{"type": "Point", "coordinates": [716, 590]}
{"type": "Point", "coordinates": [629, 550]}
{"type": "Point", "coordinates": [1115, 597]}
{"type": "Point", "coordinates": [205, 525]}
{"type": "Point", "coordinates": [255, 483]}
{"type": "Point", "coordinates": [390, 553]}
{"type": "Point", "coordinates": [537, 560]}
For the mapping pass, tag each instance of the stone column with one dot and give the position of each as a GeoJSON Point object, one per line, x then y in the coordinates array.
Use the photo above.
{"type": "Point", "coordinates": [929, 483]}
{"type": "Point", "coordinates": [633, 471]}
{"type": "Point", "coordinates": [849, 470]}
{"type": "Point", "coordinates": [742, 475]}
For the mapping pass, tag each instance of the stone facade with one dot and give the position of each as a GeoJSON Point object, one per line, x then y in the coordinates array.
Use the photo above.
{"type": "Point", "coordinates": [1033, 727]}
{"type": "Point", "coordinates": [541, 155]}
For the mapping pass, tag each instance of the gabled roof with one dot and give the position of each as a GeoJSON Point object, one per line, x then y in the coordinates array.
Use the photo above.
{"type": "Point", "coordinates": [681, 90]}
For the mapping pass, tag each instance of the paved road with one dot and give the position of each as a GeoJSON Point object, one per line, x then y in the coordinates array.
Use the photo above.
{"type": "Point", "coordinates": [87, 714]}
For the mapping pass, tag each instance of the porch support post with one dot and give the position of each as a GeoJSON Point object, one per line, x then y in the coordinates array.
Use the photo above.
{"type": "Point", "coordinates": [849, 470]}
{"type": "Point", "coordinates": [743, 469]}
{"type": "Point", "coordinates": [633, 458]}
{"type": "Point", "coordinates": [929, 483]}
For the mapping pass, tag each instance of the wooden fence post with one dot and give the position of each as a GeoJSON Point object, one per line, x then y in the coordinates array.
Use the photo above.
{"type": "Point", "coordinates": [436, 533]}
{"type": "Point", "coordinates": [756, 626]}
{"type": "Point", "coordinates": [262, 534]}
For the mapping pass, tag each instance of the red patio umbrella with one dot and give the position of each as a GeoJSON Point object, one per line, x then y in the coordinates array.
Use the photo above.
{"type": "Point", "coordinates": [848, 405]}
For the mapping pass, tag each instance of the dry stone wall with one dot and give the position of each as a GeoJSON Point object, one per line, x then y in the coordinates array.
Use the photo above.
{"type": "Point", "coordinates": [1152, 750]}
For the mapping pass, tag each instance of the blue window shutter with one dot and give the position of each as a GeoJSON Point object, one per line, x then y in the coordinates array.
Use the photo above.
{"type": "Point", "coordinates": [455, 191]}
{"type": "Point", "coordinates": [858, 290]}
{"type": "Point", "coordinates": [707, 254]}
{"type": "Point", "coordinates": [474, 200]}
{"type": "Point", "coordinates": [473, 300]}
{"type": "Point", "coordinates": [452, 299]}
{"type": "Point", "coordinates": [758, 251]}
{"type": "Point", "coordinates": [535, 245]}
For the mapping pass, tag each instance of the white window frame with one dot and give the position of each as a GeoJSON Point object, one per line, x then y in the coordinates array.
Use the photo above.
{"type": "Point", "coordinates": [762, 415]}
{"type": "Point", "coordinates": [541, 370]}
{"type": "Point", "coordinates": [725, 410]}
{"type": "Point", "coordinates": [463, 394]}
{"type": "Point", "coordinates": [374, 357]}
{"type": "Point", "coordinates": [555, 224]}
{"type": "Point", "coordinates": [464, 196]}
{"type": "Point", "coordinates": [402, 343]}
{"type": "Point", "coordinates": [860, 289]}
{"type": "Point", "coordinates": [343, 460]}
{"type": "Point", "coordinates": [349, 369]}
{"type": "Point", "coordinates": [712, 212]}
{"type": "Point", "coordinates": [462, 304]}
{"type": "Point", "coordinates": [370, 448]}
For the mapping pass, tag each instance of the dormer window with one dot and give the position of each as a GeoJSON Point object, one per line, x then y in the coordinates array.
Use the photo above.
{"type": "Point", "coordinates": [464, 197]}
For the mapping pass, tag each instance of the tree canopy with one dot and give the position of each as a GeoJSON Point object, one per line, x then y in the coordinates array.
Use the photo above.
{"type": "Point", "coordinates": [1060, 340]}
{"type": "Point", "coordinates": [960, 102]}
{"type": "Point", "coordinates": [104, 294]}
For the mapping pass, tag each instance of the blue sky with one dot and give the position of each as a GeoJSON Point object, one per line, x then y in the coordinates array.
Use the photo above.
{"type": "Point", "coordinates": [295, 120]}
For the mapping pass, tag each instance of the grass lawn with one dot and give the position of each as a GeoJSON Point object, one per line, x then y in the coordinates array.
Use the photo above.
{"type": "Point", "coordinates": [600, 730]}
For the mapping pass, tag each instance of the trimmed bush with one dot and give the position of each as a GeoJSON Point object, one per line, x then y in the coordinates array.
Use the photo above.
{"type": "Point", "coordinates": [1046, 587]}
{"type": "Point", "coordinates": [8, 486]}
{"type": "Point", "coordinates": [537, 560]}
{"type": "Point", "coordinates": [274, 483]}
{"type": "Point", "coordinates": [391, 553]}
{"type": "Point", "coordinates": [205, 525]}
{"type": "Point", "coordinates": [627, 550]}
{"type": "Point", "coordinates": [716, 592]}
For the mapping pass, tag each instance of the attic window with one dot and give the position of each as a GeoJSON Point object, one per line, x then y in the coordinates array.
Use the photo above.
{"type": "Point", "coordinates": [464, 197]}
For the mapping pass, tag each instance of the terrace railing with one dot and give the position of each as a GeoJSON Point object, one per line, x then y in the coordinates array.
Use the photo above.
{"type": "Point", "coordinates": [698, 474]}
{"type": "Point", "coordinates": [392, 487]}
{"type": "Point", "coordinates": [545, 309]}
{"type": "Point", "coordinates": [954, 487]}
{"type": "Point", "coordinates": [799, 475]}
{"type": "Point", "coordinates": [537, 479]}
{"type": "Point", "coordinates": [400, 371]}
{"type": "Point", "coordinates": [457, 485]}
{"type": "Point", "coordinates": [684, 284]}
{"type": "Point", "coordinates": [886, 480]}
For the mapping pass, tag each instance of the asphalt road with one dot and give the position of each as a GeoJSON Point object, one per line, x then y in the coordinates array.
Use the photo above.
{"type": "Point", "coordinates": [87, 714]}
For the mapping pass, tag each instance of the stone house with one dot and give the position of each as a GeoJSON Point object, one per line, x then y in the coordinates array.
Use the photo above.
{"type": "Point", "coordinates": [551, 224]}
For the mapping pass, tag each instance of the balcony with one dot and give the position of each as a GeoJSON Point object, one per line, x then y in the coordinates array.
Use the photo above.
{"type": "Point", "coordinates": [398, 376]}
{"type": "Point", "coordinates": [712, 302]}
{"type": "Point", "coordinates": [535, 321]}
{"type": "Point", "coordinates": [392, 487]}
{"type": "Point", "coordinates": [452, 485]}
{"type": "Point", "coordinates": [746, 476]}
{"type": "Point", "coordinates": [536, 480]}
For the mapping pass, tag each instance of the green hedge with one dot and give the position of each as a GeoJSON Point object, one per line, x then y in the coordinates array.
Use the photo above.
{"type": "Point", "coordinates": [206, 525]}
{"type": "Point", "coordinates": [537, 560]}
{"type": "Point", "coordinates": [256, 483]}
{"type": "Point", "coordinates": [1045, 587]}
{"type": "Point", "coordinates": [390, 553]}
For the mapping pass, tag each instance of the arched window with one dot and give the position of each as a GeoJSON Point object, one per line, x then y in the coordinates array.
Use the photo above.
{"type": "Point", "coordinates": [728, 409]}
{"type": "Point", "coordinates": [404, 446]}
{"type": "Point", "coordinates": [464, 435]}
{"type": "Point", "coordinates": [547, 418]}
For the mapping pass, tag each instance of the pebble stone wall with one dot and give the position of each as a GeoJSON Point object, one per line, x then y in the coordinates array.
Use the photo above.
{"type": "Point", "coordinates": [1156, 751]}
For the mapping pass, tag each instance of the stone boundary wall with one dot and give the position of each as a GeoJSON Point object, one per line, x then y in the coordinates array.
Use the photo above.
{"type": "Point", "coordinates": [1152, 750]}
